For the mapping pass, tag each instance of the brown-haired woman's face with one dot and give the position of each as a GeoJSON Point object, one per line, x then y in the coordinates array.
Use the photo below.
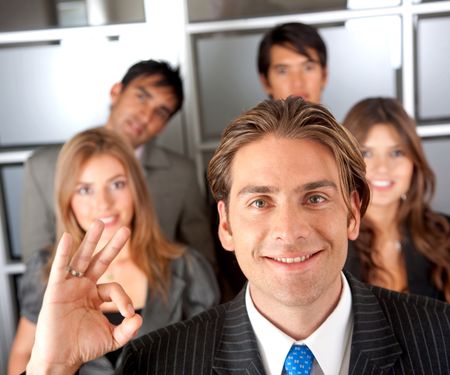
{"type": "Point", "coordinates": [102, 192]}
{"type": "Point", "coordinates": [389, 168]}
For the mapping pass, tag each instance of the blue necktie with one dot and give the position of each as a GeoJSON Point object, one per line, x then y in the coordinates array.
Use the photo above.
{"type": "Point", "coordinates": [298, 361]}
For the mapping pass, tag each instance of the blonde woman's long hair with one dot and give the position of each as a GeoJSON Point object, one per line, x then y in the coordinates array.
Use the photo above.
{"type": "Point", "coordinates": [150, 251]}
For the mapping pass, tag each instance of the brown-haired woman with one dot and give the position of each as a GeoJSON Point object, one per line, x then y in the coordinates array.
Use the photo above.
{"type": "Point", "coordinates": [99, 178]}
{"type": "Point", "coordinates": [403, 244]}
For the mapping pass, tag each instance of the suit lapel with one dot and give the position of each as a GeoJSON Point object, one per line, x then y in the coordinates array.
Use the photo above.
{"type": "Point", "coordinates": [375, 348]}
{"type": "Point", "coordinates": [237, 351]}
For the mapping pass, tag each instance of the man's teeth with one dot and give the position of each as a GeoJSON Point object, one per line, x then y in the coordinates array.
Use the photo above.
{"type": "Point", "coordinates": [293, 260]}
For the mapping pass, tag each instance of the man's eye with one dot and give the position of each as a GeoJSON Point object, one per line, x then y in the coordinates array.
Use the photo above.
{"type": "Point", "coordinates": [259, 203]}
{"type": "Point", "coordinates": [281, 70]}
{"type": "Point", "coordinates": [141, 96]}
{"type": "Point", "coordinates": [163, 114]}
{"type": "Point", "coordinates": [310, 66]}
{"type": "Point", "coordinates": [316, 199]}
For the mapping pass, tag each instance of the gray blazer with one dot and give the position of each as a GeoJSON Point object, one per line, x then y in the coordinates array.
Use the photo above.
{"type": "Point", "coordinates": [393, 333]}
{"type": "Point", "coordinates": [179, 204]}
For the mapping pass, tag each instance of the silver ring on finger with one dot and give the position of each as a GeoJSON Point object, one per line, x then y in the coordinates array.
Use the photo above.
{"type": "Point", "coordinates": [73, 272]}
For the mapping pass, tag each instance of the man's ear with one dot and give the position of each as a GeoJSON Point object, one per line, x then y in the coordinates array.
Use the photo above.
{"type": "Point", "coordinates": [354, 219]}
{"type": "Point", "coordinates": [115, 92]}
{"type": "Point", "coordinates": [225, 234]}
{"type": "Point", "coordinates": [265, 84]}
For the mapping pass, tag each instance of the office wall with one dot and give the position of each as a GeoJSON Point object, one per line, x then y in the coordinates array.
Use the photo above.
{"type": "Point", "coordinates": [437, 151]}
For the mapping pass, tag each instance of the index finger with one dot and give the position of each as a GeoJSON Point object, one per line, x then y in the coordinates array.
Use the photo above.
{"type": "Point", "coordinates": [82, 257]}
{"type": "Point", "coordinates": [58, 271]}
{"type": "Point", "coordinates": [103, 258]}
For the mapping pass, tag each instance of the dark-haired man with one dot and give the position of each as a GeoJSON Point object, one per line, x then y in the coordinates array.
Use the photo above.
{"type": "Point", "coordinates": [292, 60]}
{"type": "Point", "coordinates": [150, 93]}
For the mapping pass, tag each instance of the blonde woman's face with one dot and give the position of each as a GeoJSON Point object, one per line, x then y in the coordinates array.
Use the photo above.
{"type": "Point", "coordinates": [389, 168]}
{"type": "Point", "coordinates": [102, 192]}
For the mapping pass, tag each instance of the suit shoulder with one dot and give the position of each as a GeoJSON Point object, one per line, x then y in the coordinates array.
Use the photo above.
{"type": "Point", "coordinates": [411, 301]}
{"type": "Point", "coordinates": [174, 157]}
{"type": "Point", "coordinates": [43, 156]}
{"type": "Point", "coordinates": [177, 347]}
{"type": "Point", "coordinates": [197, 326]}
{"type": "Point", "coordinates": [364, 293]}
{"type": "Point", "coordinates": [184, 332]}
{"type": "Point", "coordinates": [408, 332]}
{"type": "Point", "coordinates": [408, 315]}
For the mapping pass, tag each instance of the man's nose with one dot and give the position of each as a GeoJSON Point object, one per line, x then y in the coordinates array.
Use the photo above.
{"type": "Point", "coordinates": [290, 224]}
{"type": "Point", "coordinates": [297, 80]}
{"type": "Point", "coordinates": [147, 111]}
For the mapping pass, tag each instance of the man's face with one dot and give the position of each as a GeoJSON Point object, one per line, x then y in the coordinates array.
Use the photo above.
{"type": "Point", "coordinates": [141, 110]}
{"type": "Point", "coordinates": [287, 222]}
{"type": "Point", "coordinates": [291, 73]}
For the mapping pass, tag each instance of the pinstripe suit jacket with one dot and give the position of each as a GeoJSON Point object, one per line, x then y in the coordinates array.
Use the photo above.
{"type": "Point", "coordinates": [393, 334]}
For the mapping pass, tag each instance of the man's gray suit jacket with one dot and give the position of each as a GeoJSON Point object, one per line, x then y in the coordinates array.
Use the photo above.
{"type": "Point", "coordinates": [393, 333]}
{"type": "Point", "coordinates": [179, 204]}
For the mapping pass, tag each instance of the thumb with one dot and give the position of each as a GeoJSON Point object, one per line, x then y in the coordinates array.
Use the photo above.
{"type": "Point", "coordinates": [126, 330]}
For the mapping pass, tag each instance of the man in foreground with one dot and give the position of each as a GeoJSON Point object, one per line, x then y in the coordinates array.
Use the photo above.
{"type": "Point", "coordinates": [142, 104]}
{"type": "Point", "coordinates": [290, 186]}
{"type": "Point", "coordinates": [292, 60]}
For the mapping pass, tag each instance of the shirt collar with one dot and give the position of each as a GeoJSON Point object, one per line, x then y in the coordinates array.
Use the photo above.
{"type": "Point", "coordinates": [139, 151]}
{"type": "Point", "coordinates": [328, 342]}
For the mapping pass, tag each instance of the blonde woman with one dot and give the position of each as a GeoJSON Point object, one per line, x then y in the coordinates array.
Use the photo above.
{"type": "Point", "coordinates": [98, 178]}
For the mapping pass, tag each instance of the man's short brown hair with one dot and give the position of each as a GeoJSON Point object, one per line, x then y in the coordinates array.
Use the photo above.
{"type": "Point", "coordinates": [292, 118]}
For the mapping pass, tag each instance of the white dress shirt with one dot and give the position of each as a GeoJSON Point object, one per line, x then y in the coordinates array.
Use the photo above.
{"type": "Point", "coordinates": [138, 152]}
{"type": "Point", "coordinates": [330, 342]}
